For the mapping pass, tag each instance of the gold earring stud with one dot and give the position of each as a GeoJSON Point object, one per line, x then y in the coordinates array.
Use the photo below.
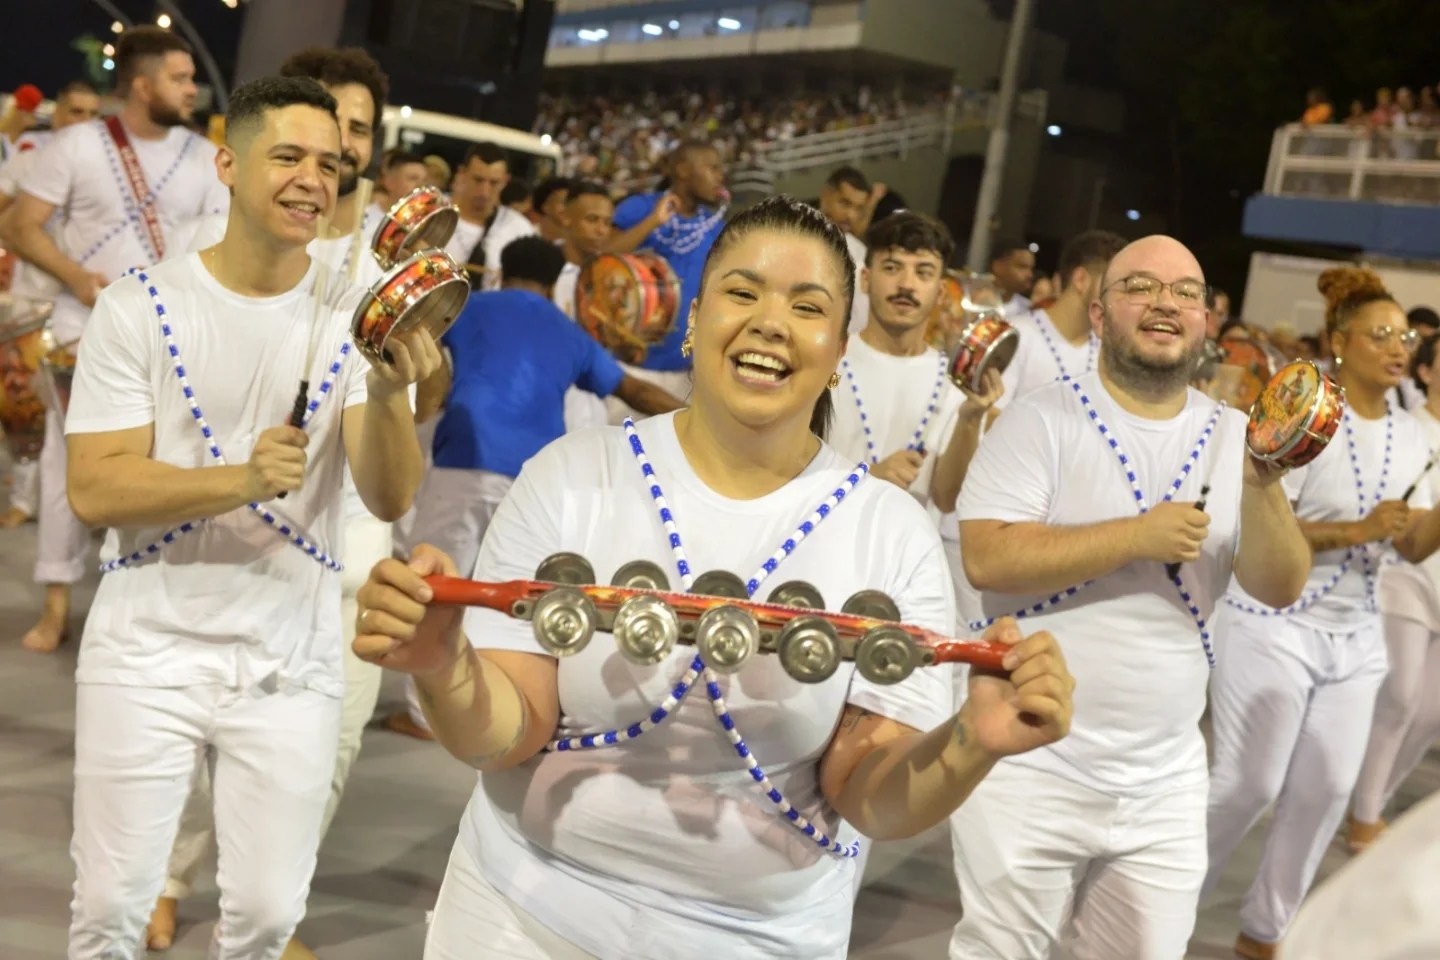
{"type": "Point", "coordinates": [687, 345]}
{"type": "Point", "coordinates": [834, 381]}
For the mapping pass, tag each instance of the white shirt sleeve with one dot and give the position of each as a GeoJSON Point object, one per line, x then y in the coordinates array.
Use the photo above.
{"type": "Point", "coordinates": [14, 171]}
{"type": "Point", "coordinates": [51, 176]}
{"type": "Point", "coordinates": [114, 386]}
{"type": "Point", "coordinates": [1012, 476]}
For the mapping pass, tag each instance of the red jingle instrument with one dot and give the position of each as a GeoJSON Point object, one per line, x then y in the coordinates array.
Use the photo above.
{"type": "Point", "coordinates": [1295, 416]}
{"type": "Point", "coordinates": [627, 301]}
{"type": "Point", "coordinates": [428, 290]}
{"type": "Point", "coordinates": [25, 342]}
{"type": "Point", "coordinates": [647, 621]}
{"type": "Point", "coordinates": [423, 219]}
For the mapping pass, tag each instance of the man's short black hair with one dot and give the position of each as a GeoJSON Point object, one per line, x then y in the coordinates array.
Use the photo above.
{"type": "Point", "coordinates": [532, 259]}
{"type": "Point", "coordinates": [585, 188]}
{"type": "Point", "coordinates": [1005, 246]}
{"type": "Point", "coordinates": [515, 191]}
{"type": "Point", "coordinates": [337, 66]}
{"type": "Point", "coordinates": [848, 177]}
{"type": "Point", "coordinates": [1091, 249]}
{"type": "Point", "coordinates": [1423, 317]}
{"type": "Point", "coordinates": [487, 153]}
{"type": "Point", "coordinates": [548, 187]}
{"type": "Point", "coordinates": [909, 231]}
{"type": "Point", "coordinates": [398, 158]}
{"type": "Point", "coordinates": [251, 101]}
{"type": "Point", "coordinates": [75, 86]}
{"type": "Point", "coordinates": [139, 44]}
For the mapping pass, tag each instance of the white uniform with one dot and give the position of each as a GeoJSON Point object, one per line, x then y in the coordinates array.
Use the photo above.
{"type": "Point", "coordinates": [582, 408]}
{"type": "Point", "coordinates": [1017, 306]}
{"type": "Point", "coordinates": [1407, 710]}
{"type": "Point", "coordinates": [662, 843]}
{"type": "Point", "coordinates": [1044, 356]}
{"type": "Point", "coordinates": [507, 226]}
{"type": "Point", "coordinates": [223, 644]}
{"type": "Point", "coordinates": [1292, 698]}
{"type": "Point", "coordinates": [860, 309]}
{"type": "Point", "coordinates": [79, 172]}
{"type": "Point", "coordinates": [1096, 845]}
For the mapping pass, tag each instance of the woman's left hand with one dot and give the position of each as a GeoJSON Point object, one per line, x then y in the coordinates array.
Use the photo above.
{"type": "Point", "coordinates": [1026, 709]}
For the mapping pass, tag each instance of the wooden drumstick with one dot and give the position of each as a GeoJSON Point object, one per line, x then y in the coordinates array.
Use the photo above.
{"type": "Point", "coordinates": [317, 305]}
{"type": "Point", "coordinates": [1172, 570]}
{"type": "Point", "coordinates": [1410, 490]}
{"type": "Point", "coordinates": [357, 236]}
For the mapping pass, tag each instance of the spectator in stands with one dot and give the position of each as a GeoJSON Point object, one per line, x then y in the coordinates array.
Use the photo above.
{"type": "Point", "coordinates": [1428, 113]}
{"type": "Point", "coordinates": [1318, 109]}
{"type": "Point", "coordinates": [1358, 116]}
{"type": "Point", "coordinates": [1013, 265]}
{"type": "Point", "coordinates": [548, 208]}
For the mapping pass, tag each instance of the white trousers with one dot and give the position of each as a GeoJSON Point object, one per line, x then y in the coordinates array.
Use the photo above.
{"type": "Point", "coordinates": [1407, 716]}
{"type": "Point", "coordinates": [367, 542]}
{"type": "Point", "coordinates": [1290, 707]}
{"type": "Point", "coordinates": [473, 919]}
{"type": "Point", "coordinates": [64, 542]}
{"type": "Point", "coordinates": [677, 382]}
{"type": "Point", "coordinates": [25, 487]}
{"type": "Point", "coordinates": [1049, 868]}
{"type": "Point", "coordinates": [454, 508]}
{"type": "Point", "coordinates": [137, 750]}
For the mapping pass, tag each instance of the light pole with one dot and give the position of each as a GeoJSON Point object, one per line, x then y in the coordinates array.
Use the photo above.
{"type": "Point", "coordinates": [993, 177]}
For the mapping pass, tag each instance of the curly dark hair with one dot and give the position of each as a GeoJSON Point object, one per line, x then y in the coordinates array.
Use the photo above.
{"type": "Point", "coordinates": [334, 66]}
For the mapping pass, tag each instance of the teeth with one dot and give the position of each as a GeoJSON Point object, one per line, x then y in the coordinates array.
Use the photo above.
{"type": "Point", "coordinates": [761, 360]}
{"type": "Point", "coordinates": [306, 207]}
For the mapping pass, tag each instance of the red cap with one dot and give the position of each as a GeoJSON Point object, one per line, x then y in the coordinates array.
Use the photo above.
{"type": "Point", "coordinates": [28, 97]}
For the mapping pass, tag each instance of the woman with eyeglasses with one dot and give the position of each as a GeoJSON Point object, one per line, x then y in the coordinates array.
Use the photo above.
{"type": "Point", "coordinates": [1294, 689]}
{"type": "Point", "coordinates": [1407, 711]}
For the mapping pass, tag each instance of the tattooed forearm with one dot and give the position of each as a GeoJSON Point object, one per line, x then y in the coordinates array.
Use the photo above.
{"type": "Point", "coordinates": [482, 760]}
{"type": "Point", "coordinates": [851, 718]}
{"type": "Point", "coordinates": [960, 732]}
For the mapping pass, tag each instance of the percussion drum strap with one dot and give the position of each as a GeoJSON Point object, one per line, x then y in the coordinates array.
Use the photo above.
{"type": "Point", "coordinates": [135, 176]}
{"type": "Point", "coordinates": [476, 263]}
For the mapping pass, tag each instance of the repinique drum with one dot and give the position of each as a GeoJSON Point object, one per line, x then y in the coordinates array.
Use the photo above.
{"type": "Point", "coordinates": [423, 219]}
{"type": "Point", "coordinates": [427, 289]}
{"type": "Point", "coordinates": [1254, 363]}
{"type": "Point", "coordinates": [57, 372]}
{"type": "Point", "coordinates": [25, 339]}
{"type": "Point", "coordinates": [986, 343]}
{"type": "Point", "coordinates": [627, 301]}
{"type": "Point", "coordinates": [1295, 416]}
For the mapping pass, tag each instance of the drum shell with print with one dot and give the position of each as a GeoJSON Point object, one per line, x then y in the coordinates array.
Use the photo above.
{"type": "Point", "coordinates": [627, 301]}
{"type": "Point", "coordinates": [988, 342]}
{"type": "Point", "coordinates": [25, 341]}
{"type": "Point", "coordinates": [428, 289]}
{"type": "Point", "coordinates": [1295, 417]}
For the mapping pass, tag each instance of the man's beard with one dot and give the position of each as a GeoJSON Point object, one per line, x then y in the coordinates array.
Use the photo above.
{"type": "Point", "coordinates": [1142, 374]}
{"type": "Point", "coordinates": [349, 174]}
{"type": "Point", "coordinates": [164, 115]}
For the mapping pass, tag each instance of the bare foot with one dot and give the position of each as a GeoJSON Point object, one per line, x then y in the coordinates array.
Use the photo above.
{"type": "Point", "coordinates": [13, 518]}
{"type": "Point", "coordinates": [160, 934]}
{"type": "Point", "coordinates": [295, 950]}
{"type": "Point", "coordinates": [402, 723]}
{"type": "Point", "coordinates": [48, 634]}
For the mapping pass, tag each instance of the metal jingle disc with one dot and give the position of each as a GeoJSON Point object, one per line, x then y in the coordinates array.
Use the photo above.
{"type": "Point", "coordinates": [564, 620]}
{"type": "Point", "coordinates": [885, 655]}
{"type": "Point", "coordinates": [645, 629]}
{"type": "Point", "coordinates": [641, 575]}
{"type": "Point", "coordinates": [726, 637]}
{"type": "Point", "coordinates": [809, 649]}
{"type": "Point", "coordinates": [720, 583]}
{"type": "Point", "coordinates": [566, 568]}
{"type": "Point", "coordinates": [873, 604]}
{"type": "Point", "coordinates": [797, 593]}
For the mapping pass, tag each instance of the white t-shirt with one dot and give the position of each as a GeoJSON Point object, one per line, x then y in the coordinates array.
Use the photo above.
{"type": "Point", "coordinates": [1324, 491]}
{"type": "Point", "coordinates": [860, 309]}
{"type": "Point", "coordinates": [29, 281]}
{"type": "Point", "coordinates": [1017, 306]}
{"type": "Point", "coordinates": [895, 393]}
{"type": "Point", "coordinates": [232, 602]}
{"type": "Point", "coordinates": [1134, 649]}
{"type": "Point", "coordinates": [508, 226]}
{"type": "Point", "coordinates": [582, 408]}
{"type": "Point", "coordinates": [79, 171]}
{"type": "Point", "coordinates": [1412, 590]}
{"type": "Point", "coordinates": [632, 849]}
{"type": "Point", "coordinates": [564, 293]}
{"type": "Point", "coordinates": [1044, 356]}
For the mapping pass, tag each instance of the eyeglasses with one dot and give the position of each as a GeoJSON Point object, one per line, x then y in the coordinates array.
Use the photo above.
{"type": "Point", "coordinates": [1388, 336]}
{"type": "Point", "coordinates": [1142, 290]}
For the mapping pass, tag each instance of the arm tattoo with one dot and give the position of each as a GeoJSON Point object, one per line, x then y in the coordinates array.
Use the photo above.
{"type": "Point", "coordinates": [960, 733]}
{"type": "Point", "coordinates": [851, 718]}
{"type": "Point", "coordinates": [491, 756]}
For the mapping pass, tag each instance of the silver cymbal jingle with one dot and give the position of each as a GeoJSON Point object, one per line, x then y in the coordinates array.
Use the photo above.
{"type": "Point", "coordinates": [564, 620]}
{"type": "Point", "coordinates": [809, 649]}
{"type": "Point", "coordinates": [726, 637]}
{"type": "Point", "coordinates": [646, 629]}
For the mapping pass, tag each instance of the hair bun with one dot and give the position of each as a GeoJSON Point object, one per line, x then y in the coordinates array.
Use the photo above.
{"type": "Point", "coordinates": [1340, 284]}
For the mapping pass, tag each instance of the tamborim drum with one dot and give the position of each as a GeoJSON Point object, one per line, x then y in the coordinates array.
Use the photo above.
{"type": "Point", "coordinates": [423, 219]}
{"type": "Point", "coordinates": [1295, 416]}
{"type": "Point", "coordinates": [25, 339]}
{"type": "Point", "coordinates": [627, 301]}
{"type": "Point", "coordinates": [986, 343]}
{"type": "Point", "coordinates": [57, 371]}
{"type": "Point", "coordinates": [427, 289]}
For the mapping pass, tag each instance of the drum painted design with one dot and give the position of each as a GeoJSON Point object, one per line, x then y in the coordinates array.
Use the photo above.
{"type": "Point", "coordinates": [1295, 416]}
{"type": "Point", "coordinates": [423, 219]}
{"type": "Point", "coordinates": [987, 343]}
{"type": "Point", "coordinates": [25, 339]}
{"type": "Point", "coordinates": [1256, 366]}
{"type": "Point", "coordinates": [57, 369]}
{"type": "Point", "coordinates": [627, 301]}
{"type": "Point", "coordinates": [426, 290]}
{"type": "Point", "coordinates": [947, 319]}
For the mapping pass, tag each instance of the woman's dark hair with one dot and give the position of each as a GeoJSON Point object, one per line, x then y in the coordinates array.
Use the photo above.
{"type": "Point", "coordinates": [1424, 357]}
{"type": "Point", "coordinates": [785, 214]}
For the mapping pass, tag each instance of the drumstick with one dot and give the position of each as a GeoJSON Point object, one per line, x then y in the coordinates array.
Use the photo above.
{"type": "Point", "coordinates": [1172, 570]}
{"type": "Point", "coordinates": [1410, 490]}
{"type": "Point", "coordinates": [357, 238]}
{"type": "Point", "coordinates": [317, 305]}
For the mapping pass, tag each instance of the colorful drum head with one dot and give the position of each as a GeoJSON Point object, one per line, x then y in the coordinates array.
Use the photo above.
{"type": "Point", "coordinates": [627, 301]}
{"type": "Point", "coordinates": [947, 319]}
{"type": "Point", "coordinates": [1295, 416]}
{"type": "Point", "coordinates": [1256, 366]}
{"type": "Point", "coordinates": [986, 343]}
{"type": "Point", "coordinates": [426, 290]}
{"type": "Point", "coordinates": [423, 219]}
{"type": "Point", "coordinates": [25, 339]}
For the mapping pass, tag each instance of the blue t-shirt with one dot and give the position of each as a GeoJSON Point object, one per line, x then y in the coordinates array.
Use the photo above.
{"type": "Point", "coordinates": [515, 354]}
{"type": "Point", "coordinates": [684, 242]}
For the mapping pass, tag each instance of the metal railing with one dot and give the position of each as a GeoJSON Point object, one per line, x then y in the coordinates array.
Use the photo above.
{"type": "Point", "coordinates": [1337, 162]}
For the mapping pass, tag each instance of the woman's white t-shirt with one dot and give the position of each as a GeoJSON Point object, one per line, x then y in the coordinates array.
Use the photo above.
{"type": "Point", "coordinates": [1409, 590]}
{"type": "Point", "coordinates": [663, 844]}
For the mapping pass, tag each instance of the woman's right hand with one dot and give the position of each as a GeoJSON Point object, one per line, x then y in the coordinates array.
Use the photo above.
{"type": "Point", "coordinates": [396, 628]}
{"type": "Point", "coordinates": [1388, 519]}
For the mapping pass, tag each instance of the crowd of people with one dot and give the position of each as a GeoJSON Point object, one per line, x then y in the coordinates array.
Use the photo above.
{"type": "Point", "coordinates": [1099, 521]}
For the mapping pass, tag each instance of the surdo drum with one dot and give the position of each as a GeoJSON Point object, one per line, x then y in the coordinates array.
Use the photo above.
{"type": "Point", "coordinates": [627, 301]}
{"type": "Point", "coordinates": [1295, 416]}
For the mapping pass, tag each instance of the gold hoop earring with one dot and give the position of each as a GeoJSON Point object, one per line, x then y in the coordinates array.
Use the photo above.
{"type": "Point", "coordinates": [687, 346]}
{"type": "Point", "coordinates": [833, 382]}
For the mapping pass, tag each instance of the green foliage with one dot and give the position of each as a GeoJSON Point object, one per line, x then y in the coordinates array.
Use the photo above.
{"type": "Point", "coordinates": [93, 50]}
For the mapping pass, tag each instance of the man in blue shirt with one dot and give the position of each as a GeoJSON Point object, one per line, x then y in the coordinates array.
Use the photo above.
{"type": "Point", "coordinates": [680, 225]}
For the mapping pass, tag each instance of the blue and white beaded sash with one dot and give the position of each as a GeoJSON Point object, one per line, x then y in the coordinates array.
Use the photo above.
{"type": "Point", "coordinates": [930, 407]}
{"type": "Point", "coordinates": [1041, 324]}
{"type": "Point", "coordinates": [697, 665]}
{"type": "Point", "coordinates": [281, 526]}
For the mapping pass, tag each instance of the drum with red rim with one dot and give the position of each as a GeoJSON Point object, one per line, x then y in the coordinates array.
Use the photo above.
{"type": "Point", "coordinates": [428, 289]}
{"type": "Point", "coordinates": [947, 318]}
{"type": "Point", "coordinates": [1295, 416]}
{"type": "Point", "coordinates": [423, 219]}
{"type": "Point", "coordinates": [25, 340]}
{"type": "Point", "coordinates": [986, 343]}
{"type": "Point", "coordinates": [627, 301]}
{"type": "Point", "coordinates": [57, 373]}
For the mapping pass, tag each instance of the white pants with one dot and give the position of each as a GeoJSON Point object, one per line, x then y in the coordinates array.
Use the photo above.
{"type": "Point", "coordinates": [136, 754]}
{"type": "Point", "coordinates": [367, 542]}
{"type": "Point", "coordinates": [64, 542]}
{"type": "Point", "coordinates": [1407, 716]}
{"type": "Point", "coordinates": [25, 487]}
{"type": "Point", "coordinates": [473, 919]}
{"type": "Point", "coordinates": [1290, 706]}
{"type": "Point", "coordinates": [1049, 868]}
{"type": "Point", "coordinates": [453, 512]}
{"type": "Point", "coordinates": [677, 382]}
